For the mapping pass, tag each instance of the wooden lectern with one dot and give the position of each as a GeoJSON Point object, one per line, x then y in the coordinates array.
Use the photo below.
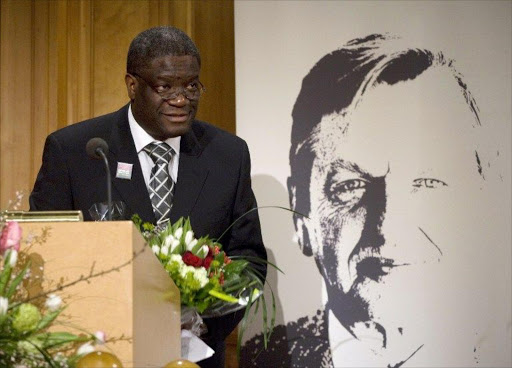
{"type": "Point", "coordinates": [139, 302]}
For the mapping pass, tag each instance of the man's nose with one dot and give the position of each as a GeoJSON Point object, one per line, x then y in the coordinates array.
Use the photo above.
{"type": "Point", "coordinates": [180, 100]}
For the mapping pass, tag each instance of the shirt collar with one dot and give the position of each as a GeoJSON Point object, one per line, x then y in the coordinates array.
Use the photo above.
{"type": "Point", "coordinates": [141, 138]}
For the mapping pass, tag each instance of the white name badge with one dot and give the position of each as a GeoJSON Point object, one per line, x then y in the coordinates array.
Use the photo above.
{"type": "Point", "coordinates": [124, 170]}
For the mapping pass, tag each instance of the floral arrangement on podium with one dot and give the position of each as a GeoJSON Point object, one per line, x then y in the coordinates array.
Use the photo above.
{"type": "Point", "coordinates": [27, 322]}
{"type": "Point", "coordinates": [210, 282]}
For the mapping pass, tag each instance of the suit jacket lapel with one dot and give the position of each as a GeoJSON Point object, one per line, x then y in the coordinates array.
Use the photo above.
{"type": "Point", "coordinates": [192, 174]}
{"type": "Point", "coordinates": [122, 149]}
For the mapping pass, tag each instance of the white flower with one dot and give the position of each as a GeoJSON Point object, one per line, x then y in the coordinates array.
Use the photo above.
{"type": "Point", "coordinates": [203, 252]}
{"type": "Point", "coordinates": [176, 258]}
{"type": "Point", "coordinates": [164, 250]}
{"type": "Point", "coordinates": [100, 337]}
{"type": "Point", "coordinates": [191, 245]}
{"type": "Point", "coordinates": [156, 249]}
{"type": "Point", "coordinates": [200, 274]}
{"type": "Point", "coordinates": [4, 305]}
{"type": "Point", "coordinates": [85, 349]}
{"type": "Point", "coordinates": [169, 240]}
{"type": "Point", "coordinates": [13, 257]}
{"type": "Point", "coordinates": [189, 236]}
{"type": "Point", "coordinates": [178, 233]}
{"type": "Point", "coordinates": [53, 302]}
{"type": "Point", "coordinates": [185, 269]}
{"type": "Point", "coordinates": [245, 299]}
{"type": "Point", "coordinates": [174, 244]}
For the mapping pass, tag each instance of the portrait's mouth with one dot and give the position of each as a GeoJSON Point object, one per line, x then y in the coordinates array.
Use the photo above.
{"type": "Point", "coordinates": [374, 267]}
{"type": "Point", "coordinates": [369, 264]}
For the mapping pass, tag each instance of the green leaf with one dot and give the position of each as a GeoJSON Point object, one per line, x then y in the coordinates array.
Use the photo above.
{"type": "Point", "coordinates": [243, 327]}
{"type": "Point", "coordinates": [5, 276]}
{"type": "Point", "coordinates": [48, 318]}
{"type": "Point", "coordinates": [196, 248]}
{"type": "Point", "coordinates": [46, 356]}
{"type": "Point", "coordinates": [14, 284]}
{"type": "Point", "coordinates": [223, 296]}
{"type": "Point", "coordinates": [235, 266]}
{"type": "Point", "coordinates": [137, 221]}
{"type": "Point", "coordinates": [53, 339]}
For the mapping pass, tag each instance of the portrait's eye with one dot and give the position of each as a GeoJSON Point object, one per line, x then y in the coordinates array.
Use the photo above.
{"type": "Point", "coordinates": [428, 183]}
{"type": "Point", "coordinates": [347, 192]}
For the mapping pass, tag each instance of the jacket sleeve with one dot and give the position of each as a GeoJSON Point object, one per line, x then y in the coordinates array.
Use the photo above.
{"type": "Point", "coordinates": [243, 239]}
{"type": "Point", "coordinates": [52, 189]}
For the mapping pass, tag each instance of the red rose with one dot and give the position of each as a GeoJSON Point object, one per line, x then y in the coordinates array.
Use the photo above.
{"type": "Point", "coordinates": [207, 261]}
{"type": "Point", "coordinates": [190, 259]}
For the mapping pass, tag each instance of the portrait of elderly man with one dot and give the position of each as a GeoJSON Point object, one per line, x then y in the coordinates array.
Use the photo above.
{"type": "Point", "coordinates": [391, 166]}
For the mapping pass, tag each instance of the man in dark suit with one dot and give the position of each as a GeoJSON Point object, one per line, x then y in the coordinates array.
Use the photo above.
{"type": "Point", "coordinates": [207, 172]}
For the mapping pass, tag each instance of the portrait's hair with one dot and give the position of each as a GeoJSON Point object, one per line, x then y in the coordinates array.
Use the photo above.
{"type": "Point", "coordinates": [157, 42]}
{"type": "Point", "coordinates": [338, 82]}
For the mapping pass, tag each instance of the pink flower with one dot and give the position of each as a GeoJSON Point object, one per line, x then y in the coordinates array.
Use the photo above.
{"type": "Point", "coordinates": [11, 237]}
{"type": "Point", "coordinates": [100, 337]}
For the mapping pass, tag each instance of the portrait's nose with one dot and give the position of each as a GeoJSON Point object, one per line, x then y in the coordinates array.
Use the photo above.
{"type": "Point", "coordinates": [394, 221]}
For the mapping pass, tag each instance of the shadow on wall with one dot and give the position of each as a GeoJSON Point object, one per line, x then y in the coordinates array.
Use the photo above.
{"type": "Point", "coordinates": [298, 290]}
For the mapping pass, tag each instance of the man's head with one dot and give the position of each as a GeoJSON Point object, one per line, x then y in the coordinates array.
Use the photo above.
{"type": "Point", "coordinates": [385, 163]}
{"type": "Point", "coordinates": [162, 78]}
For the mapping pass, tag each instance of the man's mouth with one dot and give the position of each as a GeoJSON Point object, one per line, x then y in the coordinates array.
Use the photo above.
{"type": "Point", "coordinates": [177, 117]}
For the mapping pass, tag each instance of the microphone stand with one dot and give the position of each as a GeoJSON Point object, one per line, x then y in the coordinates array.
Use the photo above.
{"type": "Point", "coordinates": [100, 152]}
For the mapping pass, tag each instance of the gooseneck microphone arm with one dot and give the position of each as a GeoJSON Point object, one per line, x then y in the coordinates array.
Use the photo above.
{"type": "Point", "coordinates": [100, 152]}
{"type": "Point", "coordinates": [96, 148]}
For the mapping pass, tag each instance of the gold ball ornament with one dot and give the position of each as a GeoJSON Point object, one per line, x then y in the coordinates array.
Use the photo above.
{"type": "Point", "coordinates": [99, 359]}
{"type": "Point", "coordinates": [181, 363]}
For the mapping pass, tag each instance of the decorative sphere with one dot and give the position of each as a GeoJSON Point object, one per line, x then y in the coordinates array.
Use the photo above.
{"type": "Point", "coordinates": [99, 359]}
{"type": "Point", "coordinates": [181, 363]}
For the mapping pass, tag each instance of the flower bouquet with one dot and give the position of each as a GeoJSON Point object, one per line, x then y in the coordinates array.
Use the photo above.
{"type": "Point", "coordinates": [26, 337]}
{"type": "Point", "coordinates": [211, 283]}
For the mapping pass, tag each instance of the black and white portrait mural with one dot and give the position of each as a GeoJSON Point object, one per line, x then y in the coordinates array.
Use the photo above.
{"type": "Point", "coordinates": [387, 127]}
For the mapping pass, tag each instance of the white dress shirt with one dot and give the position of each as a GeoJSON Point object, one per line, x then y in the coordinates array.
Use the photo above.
{"type": "Point", "coordinates": [141, 139]}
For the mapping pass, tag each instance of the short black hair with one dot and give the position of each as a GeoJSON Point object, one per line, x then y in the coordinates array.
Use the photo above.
{"type": "Point", "coordinates": [339, 80]}
{"type": "Point", "coordinates": [156, 42]}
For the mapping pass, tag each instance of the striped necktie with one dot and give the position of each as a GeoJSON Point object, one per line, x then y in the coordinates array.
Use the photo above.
{"type": "Point", "coordinates": [161, 185]}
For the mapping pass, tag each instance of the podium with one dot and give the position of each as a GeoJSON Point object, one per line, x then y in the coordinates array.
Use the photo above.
{"type": "Point", "coordinates": [132, 299]}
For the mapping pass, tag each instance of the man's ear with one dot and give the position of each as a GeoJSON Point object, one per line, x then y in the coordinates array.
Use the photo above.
{"type": "Point", "coordinates": [299, 221]}
{"type": "Point", "coordinates": [131, 85]}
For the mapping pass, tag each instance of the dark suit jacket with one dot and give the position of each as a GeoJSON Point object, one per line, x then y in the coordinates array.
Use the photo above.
{"type": "Point", "coordinates": [213, 186]}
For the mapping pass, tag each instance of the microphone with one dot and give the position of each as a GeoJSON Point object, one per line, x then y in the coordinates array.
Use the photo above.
{"type": "Point", "coordinates": [97, 148]}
